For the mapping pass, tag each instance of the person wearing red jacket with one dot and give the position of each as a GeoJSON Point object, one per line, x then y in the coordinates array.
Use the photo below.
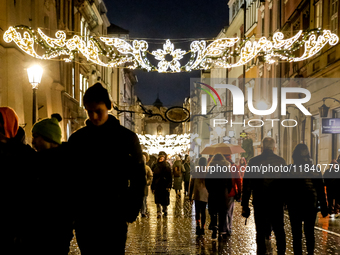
{"type": "Point", "coordinates": [234, 194]}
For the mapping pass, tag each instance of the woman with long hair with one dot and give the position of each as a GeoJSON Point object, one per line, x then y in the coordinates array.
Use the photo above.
{"type": "Point", "coordinates": [199, 193]}
{"type": "Point", "coordinates": [304, 190]}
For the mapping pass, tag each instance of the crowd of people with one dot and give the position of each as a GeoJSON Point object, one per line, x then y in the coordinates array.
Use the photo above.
{"type": "Point", "coordinates": [79, 185]}
{"type": "Point", "coordinates": [301, 192]}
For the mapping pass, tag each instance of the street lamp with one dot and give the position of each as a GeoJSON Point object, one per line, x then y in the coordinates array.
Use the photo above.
{"type": "Point", "coordinates": [34, 77]}
{"type": "Point", "coordinates": [323, 109]}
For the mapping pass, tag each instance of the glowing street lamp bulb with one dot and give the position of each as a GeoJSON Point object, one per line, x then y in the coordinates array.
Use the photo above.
{"type": "Point", "coordinates": [34, 75]}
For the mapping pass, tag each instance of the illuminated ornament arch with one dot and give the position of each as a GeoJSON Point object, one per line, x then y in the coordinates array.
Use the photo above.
{"type": "Point", "coordinates": [116, 52]}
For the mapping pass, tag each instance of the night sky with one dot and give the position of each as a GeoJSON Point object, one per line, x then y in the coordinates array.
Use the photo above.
{"type": "Point", "coordinates": [158, 20]}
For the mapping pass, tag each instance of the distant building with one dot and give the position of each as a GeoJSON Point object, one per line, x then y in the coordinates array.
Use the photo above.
{"type": "Point", "coordinates": [155, 125]}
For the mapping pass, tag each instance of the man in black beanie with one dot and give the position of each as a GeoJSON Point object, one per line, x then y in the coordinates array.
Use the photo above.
{"type": "Point", "coordinates": [109, 177]}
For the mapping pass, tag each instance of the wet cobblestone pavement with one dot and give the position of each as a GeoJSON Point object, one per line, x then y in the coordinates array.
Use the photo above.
{"type": "Point", "coordinates": [175, 233]}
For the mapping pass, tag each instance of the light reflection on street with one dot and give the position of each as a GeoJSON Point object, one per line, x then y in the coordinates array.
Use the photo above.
{"type": "Point", "coordinates": [175, 233]}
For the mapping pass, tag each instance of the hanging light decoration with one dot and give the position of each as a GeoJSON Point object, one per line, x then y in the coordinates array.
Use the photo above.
{"type": "Point", "coordinates": [171, 144]}
{"type": "Point", "coordinates": [114, 52]}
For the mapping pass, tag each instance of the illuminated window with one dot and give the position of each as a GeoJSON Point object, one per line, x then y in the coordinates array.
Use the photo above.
{"type": "Point", "coordinates": [83, 86]}
{"type": "Point", "coordinates": [159, 130]}
{"type": "Point", "coordinates": [84, 31]}
{"type": "Point", "coordinates": [318, 14]}
{"type": "Point", "coordinates": [73, 83]}
{"type": "Point", "coordinates": [81, 89]}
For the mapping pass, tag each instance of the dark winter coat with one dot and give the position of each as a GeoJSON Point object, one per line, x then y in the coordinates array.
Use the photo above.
{"type": "Point", "coordinates": [305, 190]}
{"type": "Point", "coordinates": [187, 172]}
{"type": "Point", "coordinates": [178, 170]}
{"type": "Point", "coordinates": [52, 221]}
{"type": "Point", "coordinates": [162, 180]}
{"type": "Point", "coordinates": [218, 186]}
{"type": "Point", "coordinates": [266, 188]}
{"type": "Point", "coordinates": [109, 173]}
{"type": "Point", "coordinates": [16, 180]}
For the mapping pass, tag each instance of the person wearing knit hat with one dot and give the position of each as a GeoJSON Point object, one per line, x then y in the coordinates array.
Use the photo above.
{"type": "Point", "coordinates": [50, 223]}
{"type": "Point", "coordinates": [47, 133]}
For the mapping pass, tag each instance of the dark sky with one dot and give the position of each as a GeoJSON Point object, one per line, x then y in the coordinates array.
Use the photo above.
{"type": "Point", "coordinates": [171, 19]}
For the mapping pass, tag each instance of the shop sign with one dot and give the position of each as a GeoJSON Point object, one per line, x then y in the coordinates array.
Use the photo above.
{"type": "Point", "coordinates": [330, 126]}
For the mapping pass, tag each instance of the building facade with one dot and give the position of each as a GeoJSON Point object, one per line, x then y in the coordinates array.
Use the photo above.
{"type": "Point", "coordinates": [63, 84]}
{"type": "Point", "coordinates": [264, 18]}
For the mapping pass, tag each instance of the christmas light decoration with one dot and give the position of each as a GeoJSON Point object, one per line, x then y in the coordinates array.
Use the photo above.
{"type": "Point", "coordinates": [115, 52]}
{"type": "Point", "coordinates": [171, 144]}
{"type": "Point", "coordinates": [168, 48]}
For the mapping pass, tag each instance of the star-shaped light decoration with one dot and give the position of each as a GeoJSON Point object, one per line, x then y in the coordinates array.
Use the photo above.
{"type": "Point", "coordinates": [164, 65]}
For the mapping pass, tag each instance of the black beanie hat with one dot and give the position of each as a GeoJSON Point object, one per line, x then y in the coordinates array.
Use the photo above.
{"type": "Point", "coordinates": [97, 94]}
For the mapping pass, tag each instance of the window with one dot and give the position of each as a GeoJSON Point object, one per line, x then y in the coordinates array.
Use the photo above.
{"type": "Point", "coordinates": [81, 89]}
{"type": "Point", "coordinates": [318, 14]}
{"type": "Point", "coordinates": [84, 31]}
{"type": "Point", "coordinates": [334, 16]}
{"type": "Point", "coordinates": [83, 86]}
{"type": "Point", "coordinates": [46, 22]}
{"type": "Point", "coordinates": [159, 129]}
{"type": "Point", "coordinates": [73, 83]}
{"type": "Point", "coordinates": [234, 9]}
{"type": "Point", "coordinates": [270, 21]}
{"type": "Point", "coordinates": [331, 57]}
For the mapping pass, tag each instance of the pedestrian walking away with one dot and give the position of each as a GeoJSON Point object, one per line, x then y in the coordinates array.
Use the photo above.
{"type": "Point", "coordinates": [234, 194]}
{"type": "Point", "coordinates": [199, 193]}
{"type": "Point", "coordinates": [267, 199]}
{"type": "Point", "coordinates": [109, 177]}
{"type": "Point", "coordinates": [178, 170]}
{"type": "Point", "coordinates": [187, 174]}
{"type": "Point", "coordinates": [149, 177]}
{"type": "Point", "coordinates": [218, 185]}
{"type": "Point", "coordinates": [304, 191]}
{"type": "Point", "coordinates": [161, 184]}
{"type": "Point", "coordinates": [242, 167]}
{"type": "Point", "coordinates": [332, 183]}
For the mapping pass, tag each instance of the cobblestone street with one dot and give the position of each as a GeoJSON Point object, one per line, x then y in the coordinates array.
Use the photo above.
{"type": "Point", "coordinates": [175, 233]}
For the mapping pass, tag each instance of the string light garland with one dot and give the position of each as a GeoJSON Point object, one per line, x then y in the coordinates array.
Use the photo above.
{"type": "Point", "coordinates": [116, 52]}
{"type": "Point", "coordinates": [171, 144]}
